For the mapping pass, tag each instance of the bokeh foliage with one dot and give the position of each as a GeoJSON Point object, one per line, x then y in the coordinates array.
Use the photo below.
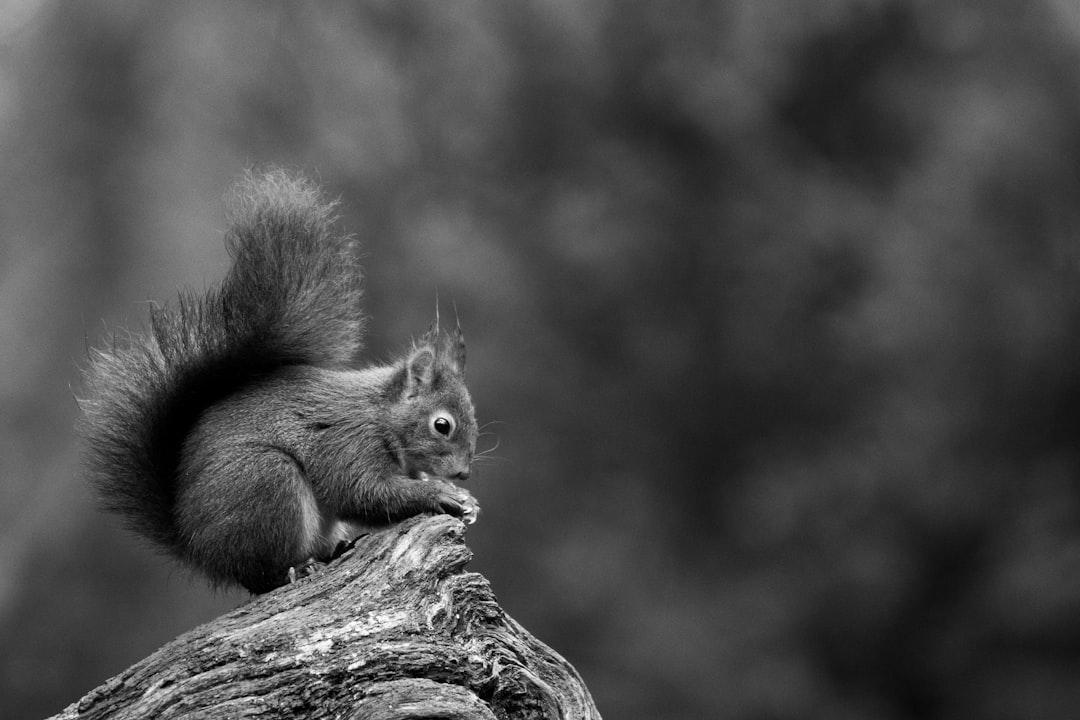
{"type": "Point", "coordinates": [776, 306]}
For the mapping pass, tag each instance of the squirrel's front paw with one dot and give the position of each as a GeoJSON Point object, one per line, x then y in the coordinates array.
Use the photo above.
{"type": "Point", "coordinates": [471, 512]}
{"type": "Point", "coordinates": [459, 503]}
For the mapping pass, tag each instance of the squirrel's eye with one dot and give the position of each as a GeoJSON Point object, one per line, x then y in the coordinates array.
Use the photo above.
{"type": "Point", "coordinates": [442, 424]}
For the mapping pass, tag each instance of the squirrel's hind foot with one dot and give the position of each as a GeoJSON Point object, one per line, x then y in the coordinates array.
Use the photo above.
{"type": "Point", "coordinates": [309, 567]}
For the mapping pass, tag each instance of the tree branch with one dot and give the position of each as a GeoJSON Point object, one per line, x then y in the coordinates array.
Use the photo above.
{"type": "Point", "coordinates": [393, 629]}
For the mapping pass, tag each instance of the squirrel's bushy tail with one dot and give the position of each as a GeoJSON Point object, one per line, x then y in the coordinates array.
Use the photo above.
{"type": "Point", "coordinates": [292, 296]}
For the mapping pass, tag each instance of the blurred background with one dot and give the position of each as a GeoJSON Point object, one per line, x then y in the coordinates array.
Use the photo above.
{"type": "Point", "coordinates": [776, 306]}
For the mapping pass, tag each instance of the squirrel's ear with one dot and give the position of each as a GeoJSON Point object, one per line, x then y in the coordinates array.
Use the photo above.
{"type": "Point", "coordinates": [419, 369]}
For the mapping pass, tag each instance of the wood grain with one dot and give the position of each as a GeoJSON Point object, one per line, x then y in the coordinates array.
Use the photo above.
{"type": "Point", "coordinates": [395, 628]}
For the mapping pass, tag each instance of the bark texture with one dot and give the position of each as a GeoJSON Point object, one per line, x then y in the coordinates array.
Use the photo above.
{"type": "Point", "coordinates": [393, 629]}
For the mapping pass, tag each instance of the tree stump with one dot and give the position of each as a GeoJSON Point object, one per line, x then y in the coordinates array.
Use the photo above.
{"type": "Point", "coordinates": [393, 629]}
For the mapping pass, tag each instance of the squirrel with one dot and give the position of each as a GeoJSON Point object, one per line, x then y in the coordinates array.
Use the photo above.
{"type": "Point", "coordinates": [239, 434]}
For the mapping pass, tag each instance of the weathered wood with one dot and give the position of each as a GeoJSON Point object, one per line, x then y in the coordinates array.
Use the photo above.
{"type": "Point", "coordinates": [393, 629]}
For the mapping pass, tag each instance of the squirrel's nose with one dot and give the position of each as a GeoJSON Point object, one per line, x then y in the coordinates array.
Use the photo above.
{"type": "Point", "coordinates": [462, 475]}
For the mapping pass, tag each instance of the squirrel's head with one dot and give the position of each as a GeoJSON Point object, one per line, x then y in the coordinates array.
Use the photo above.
{"type": "Point", "coordinates": [436, 421]}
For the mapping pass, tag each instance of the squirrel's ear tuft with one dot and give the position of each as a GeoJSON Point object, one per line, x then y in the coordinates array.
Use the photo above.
{"type": "Point", "coordinates": [431, 337]}
{"type": "Point", "coordinates": [419, 369]}
{"type": "Point", "coordinates": [457, 349]}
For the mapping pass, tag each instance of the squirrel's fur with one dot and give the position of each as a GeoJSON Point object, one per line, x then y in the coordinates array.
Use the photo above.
{"type": "Point", "coordinates": [238, 434]}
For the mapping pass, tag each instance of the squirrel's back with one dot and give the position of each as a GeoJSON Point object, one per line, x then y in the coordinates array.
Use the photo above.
{"type": "Point", "coordinates": [291, 297]}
